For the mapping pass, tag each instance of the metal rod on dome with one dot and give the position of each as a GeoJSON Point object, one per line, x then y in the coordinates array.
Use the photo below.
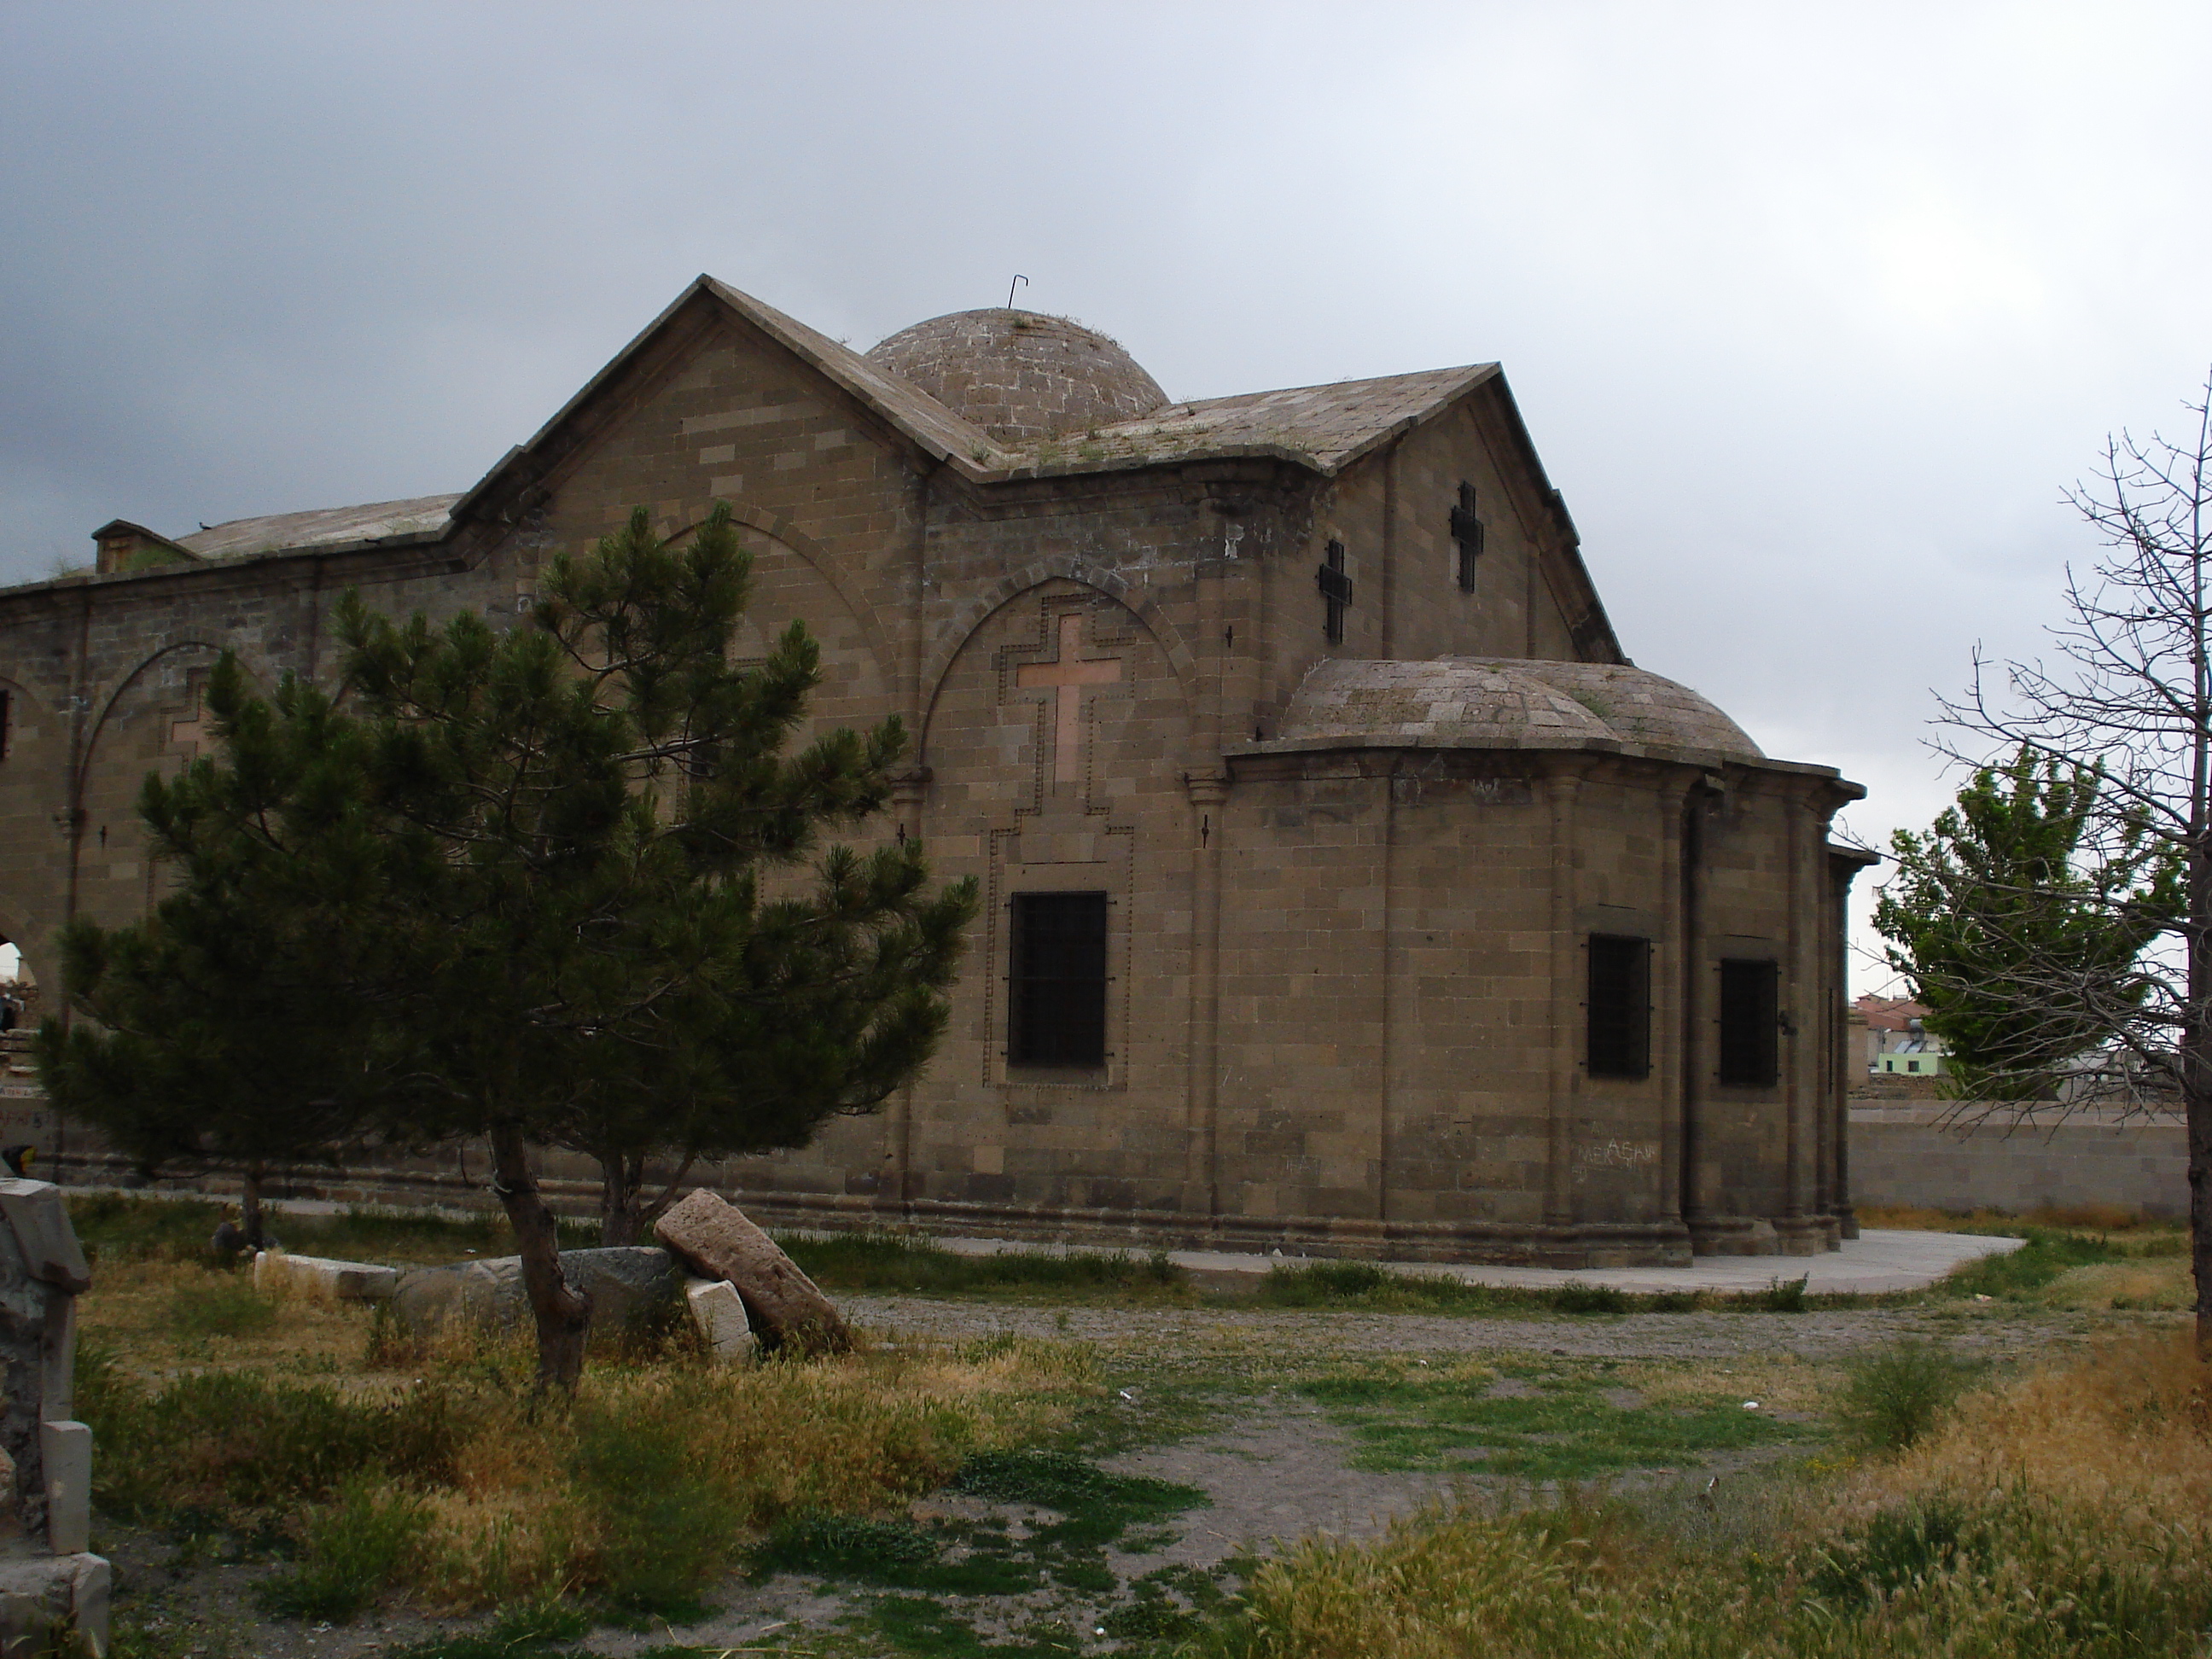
{"type": "Point", "coordinates": [1023, 280]}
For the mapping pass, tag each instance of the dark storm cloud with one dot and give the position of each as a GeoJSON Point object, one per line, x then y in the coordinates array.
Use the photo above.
{"type": "Point", "coordinates": [1813, 313]}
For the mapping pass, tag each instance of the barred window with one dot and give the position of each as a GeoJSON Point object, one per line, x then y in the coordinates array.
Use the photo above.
{"type": "Point", "coordinates": [1056, 980]}
{"type": "Point", "coordinates": [1620, 1006]}
{"type": "Point", "coordinates": [1751, 1024]}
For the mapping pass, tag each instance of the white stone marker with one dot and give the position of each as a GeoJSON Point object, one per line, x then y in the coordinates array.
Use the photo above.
{"type": "Point", "coordinates": [720, 1313]}
{"type": "Point", "coordinates": [47, 1453]}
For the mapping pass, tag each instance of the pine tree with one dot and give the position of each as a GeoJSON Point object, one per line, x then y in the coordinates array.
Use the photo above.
{"type": "Point", "coordinates": [559, 875]}
{"type": "Point", "coordinates": [228, 1036]}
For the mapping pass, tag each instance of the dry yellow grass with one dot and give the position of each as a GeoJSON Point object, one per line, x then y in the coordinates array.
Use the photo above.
{"type": "Point", "coordinates": [520, 1494]}
{"type": "Point", "coordinates": [2158, 1283]}
{"type": "Point", "coordinates": [2081, 1218]}
{"type": "Point", "coordinates": [2067, 1513]}
{"type": "Point", "coordinates": [1780, 1383]}
{"type": "Point", "coordinates": [156, 1317]}
{"type": "Point", "coordinates": [2123, 1433]}
{"type": "Point", "coordinates": [866, 1434]}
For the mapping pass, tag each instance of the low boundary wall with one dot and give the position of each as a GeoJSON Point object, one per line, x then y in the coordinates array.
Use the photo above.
{"type": "Point", "coordinates": [2051, 1159]}
{"type": "Point", "coordinates": [1901, 1152]}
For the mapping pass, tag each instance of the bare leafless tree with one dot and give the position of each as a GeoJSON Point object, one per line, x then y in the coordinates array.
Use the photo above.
{"type": "Point", "coordinates": [2126, 689]}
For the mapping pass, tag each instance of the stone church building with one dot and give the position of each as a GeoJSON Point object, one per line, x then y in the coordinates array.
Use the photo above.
{"type": "Point", "coordinates": [1348, 890]}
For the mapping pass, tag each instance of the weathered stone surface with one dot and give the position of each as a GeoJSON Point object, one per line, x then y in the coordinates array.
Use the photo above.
{"type": "Point", "coordinates": [41, 1595]}
{"type": "Point", "coordinates": [322, 1278]}
{"type": "Point", "coordinates": [51, 1252]}
{"type": "Point", "coordinates": [1020, 375]}
{"type": "Point", "coordinates": [713, 1238]}
{"type": "Point", "coordinates": [1347, 958]}
{"type": "Point", "coordinates": [720, 1313]}
{"type": "Point", "coordinates": [629, 1285]}
{"type": "Point", "coordinates": [65, 1448]}
{"type": "Point", "coordinates": [45, 1457]}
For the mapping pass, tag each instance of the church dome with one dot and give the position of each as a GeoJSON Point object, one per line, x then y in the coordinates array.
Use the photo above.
{"type": "Point", "coordinates": [1021, 375]}
{"type": "Point", "coordinates": [1504, 702]}
{"type": "Point", "coordinates": [1642, 708]}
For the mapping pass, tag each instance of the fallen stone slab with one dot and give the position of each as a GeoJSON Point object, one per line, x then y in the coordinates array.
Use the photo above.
{"type": "Point", "coordinates": [322, 1278]}
{"type": "Point", "coordinates": [720, 1313]}
{"type": "Point", "coordinates": [712, 1237]}
{"type": "Point", "coordinates": [44, 1597]}
{"type": "Point", "coordinates": [631, 1286]}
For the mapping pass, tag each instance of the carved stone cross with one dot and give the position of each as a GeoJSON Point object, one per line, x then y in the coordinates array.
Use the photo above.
{"type": "Point", "coordinates": [1466, 531]}
{"type": "Point", "coordinates": [189, 735]}
{"type": "Point", "coordinates": [1336, 592]}
{"type": "Point", "coordinates": [1066, 676]}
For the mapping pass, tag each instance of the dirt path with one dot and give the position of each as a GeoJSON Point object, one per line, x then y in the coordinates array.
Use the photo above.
{"type": "Point", "coordinates": [1276, 1474]}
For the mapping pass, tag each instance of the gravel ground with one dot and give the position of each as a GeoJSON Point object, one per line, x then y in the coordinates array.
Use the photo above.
{"type": "Point", "coordinates": [1994, 1329]}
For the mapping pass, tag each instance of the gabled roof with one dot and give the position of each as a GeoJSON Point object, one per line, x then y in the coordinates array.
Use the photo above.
{"type": "Point", "coordinates": [1325, 427]}
{"type": "Point", "coordinates": [328, 527]}
{"type": "Point", "coordinates": [1321, 427]}
{"type": "Point", "coordinates": [123, 531]}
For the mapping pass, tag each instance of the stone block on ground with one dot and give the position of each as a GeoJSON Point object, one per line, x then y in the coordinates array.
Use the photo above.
{"type": "Point", "coordinates": [65, 1450]}
{"type": "Point", "coordinates": [630, 1285]}
{"type": "Point", "coordinates": [712, 1237]}
{"type": "Point", "coordinates": [322, 1278]}
{"type": "Point", "coordinates": [43, 1595]}
{"type": "Point", "coordinates": [34, 1212]}
{"type": "Point", "coordinates": [720, 1313]}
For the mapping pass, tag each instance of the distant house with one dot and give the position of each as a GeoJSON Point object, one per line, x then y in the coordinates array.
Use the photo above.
{"type": "Point", "coordinates": [1896, 1043]}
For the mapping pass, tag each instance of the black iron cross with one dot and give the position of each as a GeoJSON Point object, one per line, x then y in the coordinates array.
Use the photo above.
{"type": "Point", "coordinates": [1335, 591]}
{"type": "Point", "coordinates": [1466, 531]}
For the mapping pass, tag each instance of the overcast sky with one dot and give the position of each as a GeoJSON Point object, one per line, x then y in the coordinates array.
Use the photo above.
{"type": "Point", "coordinates": [1812, 311]}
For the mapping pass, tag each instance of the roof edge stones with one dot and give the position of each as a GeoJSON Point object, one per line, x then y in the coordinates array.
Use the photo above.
{"type": "Point", "coordinates": [1319, 429]}
{"type": "Point", "coordinates": [1502, 703]}
{"type": "Point", "coordinates": [1361, 413]}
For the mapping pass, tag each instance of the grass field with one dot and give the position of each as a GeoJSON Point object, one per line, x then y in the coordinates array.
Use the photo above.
{"type": "Point", "coordinates": [954, 1498]}
{"type": "Point", "coordinates": [2063, 1513]}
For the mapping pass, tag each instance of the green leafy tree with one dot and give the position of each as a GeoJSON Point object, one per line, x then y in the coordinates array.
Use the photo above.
{"type": "Point", "coordinates": [2022, 942]}
{"type": "Point", "coordinates": [2126, 694]}
{"type": "Point", "coordinates": [560, 873]}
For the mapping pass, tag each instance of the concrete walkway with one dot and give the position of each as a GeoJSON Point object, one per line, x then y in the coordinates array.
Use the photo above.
{"type": "Point", "coordinates": [1873, 1262]}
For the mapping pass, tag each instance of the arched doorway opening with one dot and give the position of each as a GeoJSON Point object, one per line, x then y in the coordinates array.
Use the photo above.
{"type": "Point", "coordinates": [19, 994]}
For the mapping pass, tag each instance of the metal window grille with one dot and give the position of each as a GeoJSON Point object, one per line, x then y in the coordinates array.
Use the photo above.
{"type": "Point", "coordinates": [1620, 1006]}
{"type": "Point", "coordinates": [1056, 980]}
{"type": "Point", "coordinates": [1751, 1024]}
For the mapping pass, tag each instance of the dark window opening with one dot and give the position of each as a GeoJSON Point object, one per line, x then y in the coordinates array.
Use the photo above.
{"type": "Point", "coordinates": [1335, 591]}
{"type": "Point", "coordinates": [1620, 1006]}
{"type": "Point", "coordinates": [1912, 1065]}
{"type": "Point", "coordinates": [5, 712]}
{"type": "Point", "coordinates": [1751, 1024]}
{"type": "Point", "coordinates": [1467, 534]}
{"type": "Point", "coordinates": [1056, 980]}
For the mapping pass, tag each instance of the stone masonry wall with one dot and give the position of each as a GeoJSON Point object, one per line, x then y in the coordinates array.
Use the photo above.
{"type": "Point", "coordinates": [1399, 969]}
{"type": "Point", "coordinates": [1904, 1154]}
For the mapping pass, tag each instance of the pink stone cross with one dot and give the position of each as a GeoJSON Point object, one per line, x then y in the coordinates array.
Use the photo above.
{"type": "Point", "coordinates": [189, 735]}
{"type": "Point", "coordinates": [1066, 677]}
